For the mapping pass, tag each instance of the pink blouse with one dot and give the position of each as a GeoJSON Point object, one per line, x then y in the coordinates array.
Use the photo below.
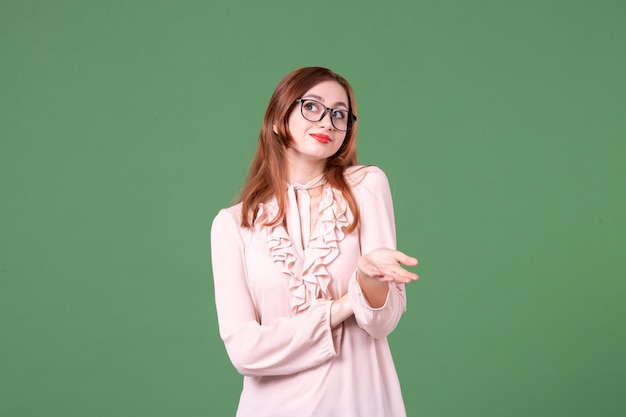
{"type": "Point", "coordinates": [274, 287]}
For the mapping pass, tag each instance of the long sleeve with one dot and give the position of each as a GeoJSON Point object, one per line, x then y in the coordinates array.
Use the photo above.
{"type": "Point", "coordinates": [377, 230]}
{"type": "Point", "coordinates": [284, 346]}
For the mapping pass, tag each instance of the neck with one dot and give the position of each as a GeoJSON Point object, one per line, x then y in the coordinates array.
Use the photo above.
{"type": "Point", "coordinates": [302, 171]}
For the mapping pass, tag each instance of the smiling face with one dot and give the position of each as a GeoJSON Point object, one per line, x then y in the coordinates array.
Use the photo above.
{"type": "Point", "coordinates": [313, 142]}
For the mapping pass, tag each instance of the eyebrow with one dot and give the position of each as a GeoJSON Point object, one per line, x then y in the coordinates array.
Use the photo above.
{"type": "Point", "coordinates": [315, 96]}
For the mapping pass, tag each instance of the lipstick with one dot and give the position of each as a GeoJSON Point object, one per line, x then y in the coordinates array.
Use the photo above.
{"type": "Point", "coordinates": [321, 137]}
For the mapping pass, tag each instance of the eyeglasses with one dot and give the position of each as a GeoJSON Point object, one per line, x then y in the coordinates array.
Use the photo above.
{"type": "Point", "coordinates": [314, 111]}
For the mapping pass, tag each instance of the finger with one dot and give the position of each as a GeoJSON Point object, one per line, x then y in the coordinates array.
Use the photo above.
{"type": "Point", "coordinates": [393, 277]}
{"type": "Point", "coordinates": [400, 276]}
{"type": "Point", "coordinates": [397, 270]}
{"type": "Point", "coordinates": [405, 279]}
{"type": "Point", "coordinates": [405, 276]}
{"type": "Point", "coordinates": [406, 259]}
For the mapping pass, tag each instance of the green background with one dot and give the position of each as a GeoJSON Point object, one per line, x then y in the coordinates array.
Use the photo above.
{"type": "Point", "coordinates": [126, 125]}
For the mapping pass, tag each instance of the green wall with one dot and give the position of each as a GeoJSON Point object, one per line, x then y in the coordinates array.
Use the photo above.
{"type": "Point", "coordinates": [126, 125]}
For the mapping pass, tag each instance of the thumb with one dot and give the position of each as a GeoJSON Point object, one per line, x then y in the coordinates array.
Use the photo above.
{"type": "Point", "coordinates": [406, 259]}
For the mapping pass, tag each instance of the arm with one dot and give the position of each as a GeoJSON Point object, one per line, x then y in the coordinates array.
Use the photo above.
{"type": "Point", "coordinates": [282, 347]}
{"type": "Point", "coordinates": [376, 289]}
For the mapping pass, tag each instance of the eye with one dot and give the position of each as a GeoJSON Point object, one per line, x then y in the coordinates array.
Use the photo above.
{"type": "Point", "coordinates": [340, 114]}
{"type": "Point", "coordinates": [310, 106]}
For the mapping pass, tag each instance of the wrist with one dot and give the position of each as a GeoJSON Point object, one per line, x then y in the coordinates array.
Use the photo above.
{"type": "Point", "coordinates": [340, 310]}
{"type": "Point", "coordinates": [373, 289]}
{"type": "Point", "coordinates": [369, 282]}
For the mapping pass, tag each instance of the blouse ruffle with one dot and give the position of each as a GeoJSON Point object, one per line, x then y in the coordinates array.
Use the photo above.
{"type": "Point", "coordinates": [308, 278]}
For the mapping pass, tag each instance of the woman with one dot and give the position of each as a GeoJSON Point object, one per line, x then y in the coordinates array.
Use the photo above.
{"type": "Point", "coordinates": [307, 281]}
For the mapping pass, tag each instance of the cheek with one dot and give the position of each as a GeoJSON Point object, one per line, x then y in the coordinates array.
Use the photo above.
{"type": "Point", "coordinates": [340, 144]}
{"type": "Point", "coordinates": [291, 120]}
{"type": "Point", "coordinates": [290, 129]}
{"type": "Point", "coordinates": [294, 124]}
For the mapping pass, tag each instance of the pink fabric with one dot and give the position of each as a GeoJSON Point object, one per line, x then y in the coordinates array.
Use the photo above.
{"type": "Point", "coordinates": [273, 296]}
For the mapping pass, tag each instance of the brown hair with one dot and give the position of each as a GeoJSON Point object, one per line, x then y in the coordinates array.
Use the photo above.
{"type": "Point", "coordinates": [268, 171]}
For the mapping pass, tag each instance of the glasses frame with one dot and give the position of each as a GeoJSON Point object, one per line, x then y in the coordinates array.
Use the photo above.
{"type": "Point", "coordinates": [351, 116]}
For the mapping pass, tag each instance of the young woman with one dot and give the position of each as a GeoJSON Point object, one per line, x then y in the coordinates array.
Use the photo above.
{"type": "Point", "coordinates": [308, 283]}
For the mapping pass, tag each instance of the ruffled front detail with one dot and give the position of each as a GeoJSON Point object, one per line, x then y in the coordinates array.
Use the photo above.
{"type": "Point", "coordinates": [280, 246]}
{"type": "Point", "coordinates": [323, 247]}
{"type": "Point", "coordinates": [308, 277]}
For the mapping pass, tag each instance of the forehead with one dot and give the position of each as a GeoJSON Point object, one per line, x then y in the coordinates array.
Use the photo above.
{"type": "Point", "coordinates": [328, 92]}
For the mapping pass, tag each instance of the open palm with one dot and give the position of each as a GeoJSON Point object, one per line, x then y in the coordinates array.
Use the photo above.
{"type": "Point", "coordinates": [385, 264]}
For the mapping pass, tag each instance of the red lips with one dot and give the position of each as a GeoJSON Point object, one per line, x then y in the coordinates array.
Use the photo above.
{"type": "Point", "coordinates": [321, 138]}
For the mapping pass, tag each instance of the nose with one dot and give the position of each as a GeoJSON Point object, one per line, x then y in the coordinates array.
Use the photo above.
{"type": "Point", "coordinates": [326, 120]}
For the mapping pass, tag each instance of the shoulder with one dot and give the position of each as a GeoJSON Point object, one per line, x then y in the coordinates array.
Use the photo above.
{"type": "Point", "coordinates": [367, 177]}
{"type": "Point", "coordinates": [229, 217]}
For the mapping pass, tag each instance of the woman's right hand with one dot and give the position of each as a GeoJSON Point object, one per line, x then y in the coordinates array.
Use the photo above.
{"type": "Point", "coordinates": [383, 264]}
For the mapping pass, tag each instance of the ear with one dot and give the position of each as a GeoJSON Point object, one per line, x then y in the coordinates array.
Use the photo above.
{"type": "Point", "coordinates": [274, 129]}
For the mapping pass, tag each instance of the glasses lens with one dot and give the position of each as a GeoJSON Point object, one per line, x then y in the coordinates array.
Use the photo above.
{"type": "Point", "coordinates": [339, 118]}
{"type": "Point", "coordinates": [312, 110]}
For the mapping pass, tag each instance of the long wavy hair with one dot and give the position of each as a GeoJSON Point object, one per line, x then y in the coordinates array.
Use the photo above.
{"type": "Point", "coordinates": [267, 176]}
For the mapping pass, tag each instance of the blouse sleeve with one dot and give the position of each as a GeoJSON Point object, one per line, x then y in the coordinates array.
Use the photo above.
{"type": "Point", "coordinates": [377, 230]}
{"type": "Point", "coordinates": [284, 346]}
